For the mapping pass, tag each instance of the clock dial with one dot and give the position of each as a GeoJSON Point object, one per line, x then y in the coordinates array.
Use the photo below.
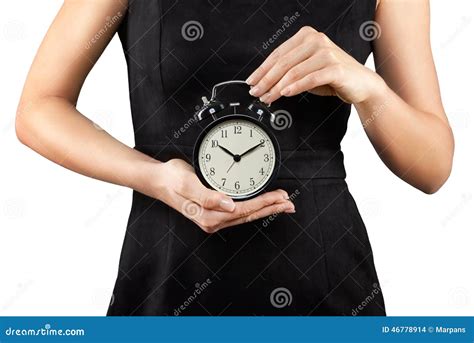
{"type": "Point", "coordinates": [237, 157]}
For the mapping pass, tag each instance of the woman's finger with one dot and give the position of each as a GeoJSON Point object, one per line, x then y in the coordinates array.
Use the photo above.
{"type": "Point", "coordinates": [318, 61]}
{"type": "Point", "coordinates": [210, 220]}
{"type": "Point", "coordinates": [310, 41]}
{"type": "Point", "coordinates": [194, 190]}
{"type": "Point", "coordinates": [325, 76]}
{"type": "Point", "coordinates": [279, 68]}
{"type": "Point", "coordinates": [281, 50]}
{"type": "Point", "coordinates": [287, 207]}
{"type": "Point", "coordinates": [244, 208]}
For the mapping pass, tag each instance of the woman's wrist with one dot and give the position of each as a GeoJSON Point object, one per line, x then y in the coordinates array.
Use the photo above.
{"type": "Point", "coordinates": [377, 96]}
{"type": "Point", "coordinates": [148, 177]}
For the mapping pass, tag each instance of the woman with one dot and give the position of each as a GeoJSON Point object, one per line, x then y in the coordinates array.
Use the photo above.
{"type": "Point", "coordinates": [300, 249]}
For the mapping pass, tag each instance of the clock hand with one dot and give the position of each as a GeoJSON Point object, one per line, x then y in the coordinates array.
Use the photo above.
{"type": "Point", "coordinates": [236, 157]}
{"type": "Point", "coordinates": [230, 166]}
{"type": "Point", "coordinates": [226, 150]}
{"type": "Point", "coordinates": [251, 149]}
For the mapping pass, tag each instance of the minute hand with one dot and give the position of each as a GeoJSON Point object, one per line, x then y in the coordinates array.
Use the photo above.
{"type": "Point", "coordinates": [251, 149]}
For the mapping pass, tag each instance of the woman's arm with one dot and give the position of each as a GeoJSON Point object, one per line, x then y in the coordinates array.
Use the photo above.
{"type": "Point", "coordinates": [412, 136]}
{"type": "Point", "coordinates": [400, 107]}
{"type": "Point", "coordinates": [48, 122]}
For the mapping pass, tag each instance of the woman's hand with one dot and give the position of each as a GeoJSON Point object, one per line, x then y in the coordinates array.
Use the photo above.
{"type": "Point", "coordinates": [310, 61]}
{"type": "Point", "coordinates": [177, 185]}
{"type": "Point", "coordinates": [407, 127]}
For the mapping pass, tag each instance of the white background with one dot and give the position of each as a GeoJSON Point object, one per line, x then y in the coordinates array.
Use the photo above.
{"type": "Point", "coordinates": [61, 233]}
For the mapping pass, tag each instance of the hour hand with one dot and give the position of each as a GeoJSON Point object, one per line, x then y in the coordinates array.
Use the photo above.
{"type": "Point", "coordinates": [226, 150]}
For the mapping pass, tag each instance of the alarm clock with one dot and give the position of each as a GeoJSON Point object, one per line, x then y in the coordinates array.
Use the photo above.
{"type": "Point", "coordinates": [236, 153]}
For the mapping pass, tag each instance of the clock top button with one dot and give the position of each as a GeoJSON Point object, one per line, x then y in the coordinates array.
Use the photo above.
{"type": "Point", "coordinates": [210, 108]}
{"type": "Point", "coordinates": [261, 110]}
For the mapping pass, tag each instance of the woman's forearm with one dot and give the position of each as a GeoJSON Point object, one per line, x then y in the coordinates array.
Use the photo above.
{"type": "Point", "coordinates": [48, 122]}
{"type": "Point", "coordinates": [417, 146]}
{"type": "Point", "coordinates": [55, 129]}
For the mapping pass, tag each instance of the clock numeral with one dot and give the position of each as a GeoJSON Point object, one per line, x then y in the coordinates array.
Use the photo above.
{"type": "Point", "coordinates": [224, 133]}
{"type": "Point", "coordinates": [223, 181]}
{"type": "Point", "coordinates": [261, 172]}
{"type": "Point", "coordinates": [266, 158]}
{"type": "Point", "coordinates": [214, 143]}
{"type": "Point", "coordinates": [212, 171]}
{"type": "Point", "coordinates": [262, 141]}
{"type": "Point", "coordinates": [252, 181]}
{"type": "Point", "coordinates": [237, 185]}
{"type": "Point", "coordinates": [208, 157]}
{"type": "Point", "coordinates": [237, 130]}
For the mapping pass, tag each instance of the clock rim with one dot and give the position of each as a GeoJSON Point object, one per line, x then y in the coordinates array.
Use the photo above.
{"type": "Point", "coordinates": [229, 117]}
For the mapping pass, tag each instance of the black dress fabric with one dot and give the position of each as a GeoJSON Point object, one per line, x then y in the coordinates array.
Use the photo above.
{"type": "Point", "coordinates": [317, 261]}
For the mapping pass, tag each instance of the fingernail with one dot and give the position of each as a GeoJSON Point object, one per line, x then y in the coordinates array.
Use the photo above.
{"type": "Point", "coordinates": [250, 80]}
{"type": "Point", "coordinates": [254, 90]}
{"type": "Point", "coordinates": [227, 205]}
{"type": "Point", "coordinates": [265, 97]}
{"type": "Point", "coordinates": [285, 91]}
{"type": "Point", "coordinates": [285, 195]}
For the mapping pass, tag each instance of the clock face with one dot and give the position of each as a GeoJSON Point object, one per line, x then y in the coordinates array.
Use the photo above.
{"type": "Point", "coordinates": [237, 157]}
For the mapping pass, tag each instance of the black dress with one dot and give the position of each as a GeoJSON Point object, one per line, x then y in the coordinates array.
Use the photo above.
{"type": "Point", "coordinates": [317, 261]}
